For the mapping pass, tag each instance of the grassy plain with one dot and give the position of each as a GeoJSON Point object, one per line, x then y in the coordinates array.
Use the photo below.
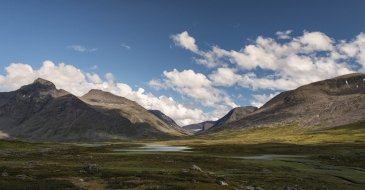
{"type": "Point", "coordinates": [331, 159]}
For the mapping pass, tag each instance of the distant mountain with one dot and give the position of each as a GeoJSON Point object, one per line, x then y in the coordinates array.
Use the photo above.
{"type": "Point", "coordinates": [166, 119]}
{"type": "Point", "coordinates": [39, 111]}
{"type": "Point", "coordinates": [198, 127]}
{"type": "Point", "coordinates": [326, 103]}
{"type": "Point", "coordinates": [235, 114]}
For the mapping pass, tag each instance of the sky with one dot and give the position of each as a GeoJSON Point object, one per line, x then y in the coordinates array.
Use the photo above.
{"type": "Point", "coordinates": [193, 60]}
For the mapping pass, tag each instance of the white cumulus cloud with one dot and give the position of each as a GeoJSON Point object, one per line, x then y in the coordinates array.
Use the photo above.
{"type": "Point", "coordinates": [196, 86]}
{"type": "Point", "coordinates": [185, 40]}
{"type": "Point", "coordinates": [315, 41]}
{"type": "Point", "coordinates": [299, 60]}
{"type": "Point", "coordinates": [224, 77]}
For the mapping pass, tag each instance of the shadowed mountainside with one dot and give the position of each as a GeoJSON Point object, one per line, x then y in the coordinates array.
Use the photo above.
{"type": "Point", "coordinates": [198, 127]}
{"type": "Point", "coordinates": [235, 114]}
{"type": "Point", "coordinates": [39, 111]}
{"type": "Point", "coordinates": [112, 105]}
{"type": "Point", "coordinates": [166, 119]}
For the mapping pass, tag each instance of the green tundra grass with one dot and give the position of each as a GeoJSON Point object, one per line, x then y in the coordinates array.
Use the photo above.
{"type": "Point", "coordinates": [327, 159]}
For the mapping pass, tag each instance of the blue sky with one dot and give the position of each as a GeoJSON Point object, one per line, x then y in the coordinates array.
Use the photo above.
{"type": "Point", "coordinates": [142, 42]}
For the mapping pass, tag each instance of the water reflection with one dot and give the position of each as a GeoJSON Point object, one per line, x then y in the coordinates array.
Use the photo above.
{"type": "Point", "coordinates": [157, 148]}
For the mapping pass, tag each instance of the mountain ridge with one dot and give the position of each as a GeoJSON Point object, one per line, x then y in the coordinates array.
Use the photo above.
{"type": "Point", "coordinates": [234, 115]}
{"type": "Point", "coordinates": [168, 120]}
{"type": "Point", "coordinates": [327, 103]}
{"type": "Point", "coordinates": [124, 107]}
{"type": "Point", "coordinates": [196, 128]}
{"type": "Point", "coordinates": [39, 111]}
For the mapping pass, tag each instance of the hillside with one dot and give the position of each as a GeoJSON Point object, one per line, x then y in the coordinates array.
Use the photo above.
{"type": "Point", "coordinates": [327, 103]}
{"type": "Point", "coordinates": [166, 119]}
{"type": "Point", "coordinates": [235, 114]}
{"type": "Point", "coordinates": [39, 111]}
{"type": "Point", "coordinates": [199, 127]}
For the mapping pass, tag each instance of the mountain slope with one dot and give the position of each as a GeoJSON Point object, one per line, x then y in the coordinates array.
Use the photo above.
{"type": "Point", "coordinates": [166, 119]}
{"type": "Point", "coordinates": [235, 114]}
{"type": "Point", "coordinates": [199, 127]}
{"type": "Point", "coordinates": [112, 105]}
{"type": "Point", "coordinates": [39, 111]}
{"type": "Point", "coordinates": [327, 103]}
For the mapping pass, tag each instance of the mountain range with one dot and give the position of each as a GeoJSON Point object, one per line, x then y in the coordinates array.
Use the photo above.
{"type": "Point", "coordinates": [39, 111]}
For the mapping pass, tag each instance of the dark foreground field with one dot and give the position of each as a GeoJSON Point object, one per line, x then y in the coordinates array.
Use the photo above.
{"type": "Point", "coordinates": [211, 164]}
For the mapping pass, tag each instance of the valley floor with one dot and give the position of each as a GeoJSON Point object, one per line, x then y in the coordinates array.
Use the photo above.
{"type": "Point", "coordinates": [317, 159]}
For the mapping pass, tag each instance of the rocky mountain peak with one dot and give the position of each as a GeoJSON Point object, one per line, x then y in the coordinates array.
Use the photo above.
{"type": "Point", "coordinates": [39, 86]}
{"type": "Point", "coordinates": [43, 82]}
